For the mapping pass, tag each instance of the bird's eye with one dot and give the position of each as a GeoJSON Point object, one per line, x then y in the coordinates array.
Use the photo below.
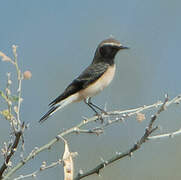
{"type": "Point", "coordinates": [105, 50]}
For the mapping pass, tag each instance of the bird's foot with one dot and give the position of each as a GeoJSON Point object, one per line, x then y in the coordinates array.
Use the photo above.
{"type": "Point", "coordinates": [104, 112]}
{"type": "Point", "coordinates": [100, 117]}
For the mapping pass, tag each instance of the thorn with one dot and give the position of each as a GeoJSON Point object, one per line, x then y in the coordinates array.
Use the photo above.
{"type": "Point", "coordinates": [117, 118]}
{"type": "Point", "coordinates": [97, 172]}
{"type": "Point", "coordinates": [76, 130]}
{"type": "Point", "coordinates": [102, 159]}
{"type": "Point", "coordinates": [105, 107]}
{"type": "Point", "coordinates": [84, 119]}
{"type": "Point", "coordinates": [80, 172]}
{"type": "Point", "coordinates": [122, 119]}
{"type": "Point", "coordinates": [118, 153]}
{"type": "Point", "coordinates": [125, 115]}
{"type": "Point", "coordinates": [131, 154]}
{"type": "Point", "coordinates": [109, 122]}
{"type": "Point", "coordinates": [23, 161]}
{"type": "Point", "coordinates": [111, 36]}
{"type": "Point", "coordinates": [166, 96]}
{"type": "Point", "coordinates": [171, 135]}
{"type": "Point", "coordinates": [58, 137]}
{"type": "Point", "coordinates": [160, 128]}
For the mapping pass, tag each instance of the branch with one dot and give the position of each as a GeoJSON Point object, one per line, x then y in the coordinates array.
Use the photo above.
{"type": "Point", "coordinates": [12, 151]}
{"type": "Point", "coordinates": [15, 123]}
{"type": "Point", "coordinates": [125, 113]}
{"type": "Point", "coordinates": [66, 161]}
{"type": "Point", "coordinates": [166, 135]}
{"type": "Point", "coordinates": [43, 167]}
{"type": "Point", "coordinates": [19, 77]}
{"type": "Point", "coordinates": [149, 130]}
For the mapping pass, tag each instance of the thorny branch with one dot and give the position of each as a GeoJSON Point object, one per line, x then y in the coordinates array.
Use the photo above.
{"type": "Point", "coordinates": [12, 151]}
{"type": "Point", "coordinates": [19, 77]}
{"type": "Point", "coordinates": [124, 114]}
{"type": "Point", "coordinates": [166, 135]}
{"type": "Point", "coordinates": [15, 123]}
{"type": "Point", "coordinates": [113, 117]}
{"type": "Point", "coordinates": [66, 161]}
{"type": "Point", "coordinates": [43, 167]}
{"type": "Point", "coordinates": [149, 130]}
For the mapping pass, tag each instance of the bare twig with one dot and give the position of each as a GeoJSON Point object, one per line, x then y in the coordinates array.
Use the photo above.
{"type": "Point", "coordinates": [66, 161]}
{"type": "Point", "coordinates": [86, 121]}
{"type": "Point", "coordinates": [42, 168]}
{"type": "Point", "coordinates": [96, 131]}
{"type": "Point", "coordinates": [12, 151]}
{"type": "Point", "coordinates": [149, 130]}
{"type": "Point", "coordinates": [19, 77]}
{"type": "Point", "coordinates": [166, 135]}
{"type": "Point", "coordinates": [15, 123]}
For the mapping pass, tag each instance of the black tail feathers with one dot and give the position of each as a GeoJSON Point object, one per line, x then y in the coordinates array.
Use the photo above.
{"type": "Point", "coordinates": [49, 113]}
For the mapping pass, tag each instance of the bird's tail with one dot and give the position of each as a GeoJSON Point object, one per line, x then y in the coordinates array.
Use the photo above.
{"type": "Point", "coordinates": [49, 113]}
{"type": "Point", "coordinates": [58, 106]}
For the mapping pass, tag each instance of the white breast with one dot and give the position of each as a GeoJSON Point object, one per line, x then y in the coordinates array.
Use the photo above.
{"type": "Point", "coordinates": [99, 85]}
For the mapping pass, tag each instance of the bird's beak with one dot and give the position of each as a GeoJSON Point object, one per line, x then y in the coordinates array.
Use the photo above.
{"type": "Point", "coordinates": [123, 47]}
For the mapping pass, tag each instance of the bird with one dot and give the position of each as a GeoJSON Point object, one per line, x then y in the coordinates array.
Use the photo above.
{"type": "Point", "coordinates": [92, 80]}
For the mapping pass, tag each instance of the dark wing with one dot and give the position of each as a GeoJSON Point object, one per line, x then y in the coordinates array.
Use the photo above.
{"type": "Point", "coordinates": [87, 77]}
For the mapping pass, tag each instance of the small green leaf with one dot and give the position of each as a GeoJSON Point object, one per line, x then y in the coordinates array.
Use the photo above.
{"type": "Point", "coordinates": [14, 98]}
{"type": "Point", "coordinates": [3, 95]}
{"type": "Point", "coordinates": [6, 114]}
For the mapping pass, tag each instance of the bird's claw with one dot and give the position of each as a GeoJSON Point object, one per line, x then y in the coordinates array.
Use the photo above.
{"type": "Point", "coordinates": [99, 117]}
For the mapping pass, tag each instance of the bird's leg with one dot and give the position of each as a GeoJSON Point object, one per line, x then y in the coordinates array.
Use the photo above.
{"type": "Point", "coordinates": [87, 101]}
{"type": "Point", "coordinates": [90, 102]}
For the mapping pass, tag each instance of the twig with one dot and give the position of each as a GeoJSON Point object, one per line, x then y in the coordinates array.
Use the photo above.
{"type": "Point", "coordinates": [149, 130]}
{"type": "Point", "coordinates": [42, 168]}
{"type": "Point", "coordinates": [16, 125]}
{"type": "Point", "coordinates": [86, 121]}
{"type": "Point", "coordinates": [12, 151]}
{"type": "Point", "coordinates": [166, 135]}
{"type": "Point", "coordinates": [128, 113]}
{"type": "Point", "coordinates": [19, 77]}
{"type": "Point", "coordinates": [96, 131]}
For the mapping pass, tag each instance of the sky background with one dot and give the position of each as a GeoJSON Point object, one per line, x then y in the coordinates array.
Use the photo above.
{"type": "Point", "coordinates": [57, 40]}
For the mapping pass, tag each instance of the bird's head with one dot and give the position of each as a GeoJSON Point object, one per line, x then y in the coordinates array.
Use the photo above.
{"type": "Point", "coordinates": [107, 50]}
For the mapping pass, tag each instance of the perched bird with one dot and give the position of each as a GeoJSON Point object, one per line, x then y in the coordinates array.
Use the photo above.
{"type": "Point", "coordinates": [92, 80]}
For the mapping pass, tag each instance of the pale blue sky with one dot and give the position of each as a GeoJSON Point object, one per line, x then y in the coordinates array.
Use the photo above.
{"type": "Point", "coordinates": [57, 40]}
